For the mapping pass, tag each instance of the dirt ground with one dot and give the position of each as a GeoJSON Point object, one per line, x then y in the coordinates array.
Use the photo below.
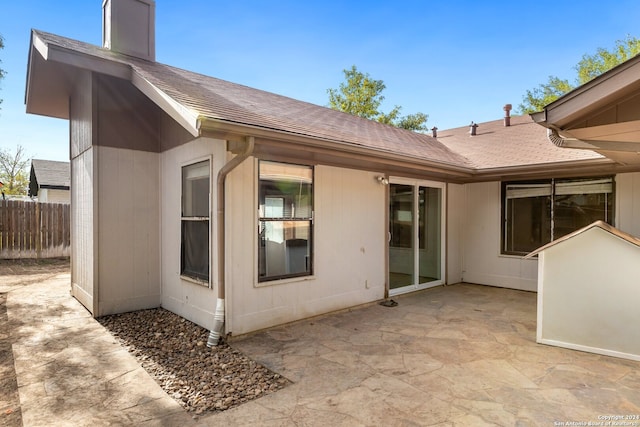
{"type": "Point", "coordinates": [13, 274]}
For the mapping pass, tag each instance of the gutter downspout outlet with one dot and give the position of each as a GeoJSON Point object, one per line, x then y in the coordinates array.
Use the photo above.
{"type": "Point", "coordinates": [219, 316]}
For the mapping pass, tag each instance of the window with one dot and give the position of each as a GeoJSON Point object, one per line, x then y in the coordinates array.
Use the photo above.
{"type": "Point", "coordinates": [194, 254]}
{"type": "Point", "coordinates": [285, 199]}
{"type": "Point", "coordinates": [537, 212]}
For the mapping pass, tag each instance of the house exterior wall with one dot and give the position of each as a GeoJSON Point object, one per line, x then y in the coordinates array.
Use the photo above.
{"type": "Point", "coordinates": [455, 214]}
{"type": "Point", "coordinates": [49, 195]}
{"type": "Point", "coordinates": [128, 208]}
{"type": "Point", "coordinates": [190, 300]}
{"type": "Point", "coordinates": [349, 250]}
{"type": "Point", "coordinates": [588, 298]}
{"type": "Point", "coordinates": [628, 203]}
{"type": "Point", "coordinates": [83, 237]}
{"type": "Point", "coordinates": [83, 194]}
{"type": "Point", "coordinates": [481, 238]}
{"type": "Point", "coordinates": [482, 261]}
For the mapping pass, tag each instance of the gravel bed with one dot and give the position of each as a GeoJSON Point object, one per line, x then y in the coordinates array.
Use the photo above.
{"type": "Point", "coordinates": [174, 352]}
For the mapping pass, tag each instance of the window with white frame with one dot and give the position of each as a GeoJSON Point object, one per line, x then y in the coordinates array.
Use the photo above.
{"type": "Point", "coordinates": [285, 200]}
{"type": "Point", "coordinates": [538, 212]}
{"type": "Point", "coordinates": [194, 254]}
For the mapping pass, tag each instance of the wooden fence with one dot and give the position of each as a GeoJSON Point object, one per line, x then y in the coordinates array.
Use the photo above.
{"type": "Point", "coordinates": [34, 230]}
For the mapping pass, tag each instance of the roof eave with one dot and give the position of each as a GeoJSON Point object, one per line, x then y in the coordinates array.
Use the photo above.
{"type": "Point", "coordinates": [591, 95]}
{"type": "Point", "coordinates": [234, 131]}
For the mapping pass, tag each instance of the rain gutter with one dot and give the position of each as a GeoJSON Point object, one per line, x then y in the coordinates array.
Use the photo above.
{"type": "Point", "coordinates": [218, 319]}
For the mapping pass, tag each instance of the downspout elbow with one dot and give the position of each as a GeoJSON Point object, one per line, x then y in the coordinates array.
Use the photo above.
{"type": "Point", "coordinates": [219, 316]}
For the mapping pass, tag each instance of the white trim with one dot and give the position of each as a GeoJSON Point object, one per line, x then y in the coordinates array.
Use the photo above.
{"type": "Point", "coordinates": [208, 283]}
{"type": "Point", "coordinates": [443, 227]}
{"type": "Point", "coordinates": [589, 349]}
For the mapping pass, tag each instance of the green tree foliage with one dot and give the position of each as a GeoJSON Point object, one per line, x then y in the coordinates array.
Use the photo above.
{"type": "Point", "coordinates": [361, 96]}
{"type": "Point", "coordinates": [536, 99]}
{"type": "Point", "coordinates": [589, 67]}
{"type": "Point", "coordinates": [13, 171]}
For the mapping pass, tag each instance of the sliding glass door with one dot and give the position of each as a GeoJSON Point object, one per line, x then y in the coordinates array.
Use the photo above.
{"type": "Point", "coordinates": [416, 235]}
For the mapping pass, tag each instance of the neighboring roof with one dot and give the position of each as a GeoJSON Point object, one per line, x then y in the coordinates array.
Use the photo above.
{"type": "Point", "coordinates": [597, 224]}
{"type": "Point", "coordinates": [203, 104]}
{"type": "Point", "coordinates": [51, 174]}
{"type": "Point", "coordinates": [498, 146]}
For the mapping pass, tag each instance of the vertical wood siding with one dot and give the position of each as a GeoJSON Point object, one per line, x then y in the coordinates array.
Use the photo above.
{"type": "Point", "coordinates": [34, 230]}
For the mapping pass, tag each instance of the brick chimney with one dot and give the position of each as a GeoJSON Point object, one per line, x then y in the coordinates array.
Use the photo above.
{"type": "Point", "coordinates": [128, 27]}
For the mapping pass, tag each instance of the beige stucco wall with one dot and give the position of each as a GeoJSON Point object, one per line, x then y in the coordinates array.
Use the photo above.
{"type": "Point", "coordinates": [83, 238]}
{"type": "Point", "coordinates": [349, 250]}
{"type": "Point", "coordinates": [588, 295]}
{"type": "Point", "coordinates": [191, 300]}
{"type": "Point", "coordinates": [455, 213]}
{"type": "Point", "coordinates": [482, 261]}
{"type": "Point", "coordinates": [128, 229]}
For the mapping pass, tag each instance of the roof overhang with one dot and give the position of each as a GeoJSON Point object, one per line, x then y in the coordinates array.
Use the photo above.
{"type": "Point", "coordinates": [52, 71]}
{"type": "Point", "coordinates": [602, 115]}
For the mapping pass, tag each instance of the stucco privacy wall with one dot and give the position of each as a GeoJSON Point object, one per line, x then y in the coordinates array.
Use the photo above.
{"type": "Point", "coordinates": [588, 300]}
{"type": "Point", "coordinates": [349, 250]}
{"type": "Point", "coordinates": [482, 261]}
{"type": "Point", "coordinates": [128, 229]}
{"type": "Point", "coordinates": [190, 300]}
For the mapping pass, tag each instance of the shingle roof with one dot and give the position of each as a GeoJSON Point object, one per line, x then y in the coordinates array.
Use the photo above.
{"type": "Point", "coordinates": [51, 173]}
{"type": "Point", "coordinates": [217, 99]}
{"type": "Point", "coordinates": [496, 146]}
{"type": "Point", "coordinates": [521, 145]}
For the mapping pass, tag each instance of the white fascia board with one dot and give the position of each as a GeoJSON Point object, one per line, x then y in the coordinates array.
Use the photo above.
{"type": "Point", "coordinates": [598, 90]}
{"type": "Point", "coordinates": [185, 117]}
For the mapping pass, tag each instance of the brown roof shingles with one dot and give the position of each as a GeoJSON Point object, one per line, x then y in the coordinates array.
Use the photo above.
{"type": "Point", "coordinates": [524, 143]}
{"type": "Point", "coordinates": [217, 99]}
{"type": "Point", "coordinates": [497, 146]}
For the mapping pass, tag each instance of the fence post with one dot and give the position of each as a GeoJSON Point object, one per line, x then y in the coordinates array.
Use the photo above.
{"type": "Point", "coordinates": [38, 231]}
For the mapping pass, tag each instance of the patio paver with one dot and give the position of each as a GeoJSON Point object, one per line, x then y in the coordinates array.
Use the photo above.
{"type": "Point", "coordinates": [457, 355]}
{"type": "Point", "coordinates": [462, 355]}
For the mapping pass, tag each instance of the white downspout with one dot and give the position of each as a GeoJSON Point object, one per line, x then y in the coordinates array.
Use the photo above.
{"type": "Point", "coordinates": [218, 318]}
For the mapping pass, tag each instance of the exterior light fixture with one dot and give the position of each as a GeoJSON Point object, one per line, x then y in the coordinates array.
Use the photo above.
{"type": "Point", "coordinates": [382, 180]}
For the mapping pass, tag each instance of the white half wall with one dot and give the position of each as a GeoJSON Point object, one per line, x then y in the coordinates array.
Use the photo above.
{"type": "Point", "coordinates": [482, 262]}
{"type": "Point", "coordinates": [350, 233]}
{"type": "Point", "coordinates": [589, 295]}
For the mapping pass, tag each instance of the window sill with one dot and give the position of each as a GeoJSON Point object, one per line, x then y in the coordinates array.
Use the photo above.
{"type": "Point", "coordinates": [283, 281]}
{"type": "Point", "coordinates": [514, 256]}
{"type": "Point", "coordinates": [195, 281]}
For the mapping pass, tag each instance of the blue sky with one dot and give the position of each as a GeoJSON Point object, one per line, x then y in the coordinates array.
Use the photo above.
{"type": "Point", "coordinates": [457, 61]}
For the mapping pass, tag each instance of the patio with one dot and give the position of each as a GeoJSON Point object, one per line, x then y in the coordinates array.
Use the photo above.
{"type": "Point", "coordinates": [457, 355]}
{"type": "Point", "coordinates": [453, 355]}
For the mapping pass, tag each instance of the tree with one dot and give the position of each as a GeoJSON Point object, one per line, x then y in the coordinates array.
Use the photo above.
{"type": "Point", "coordinates": [589, 67]}
{"type": "Point", "coordinates": [361, 96]}
{"type": "Point", "coordinates": [2, 72]}
{"type": "Point", "coordinates": [13, 171]}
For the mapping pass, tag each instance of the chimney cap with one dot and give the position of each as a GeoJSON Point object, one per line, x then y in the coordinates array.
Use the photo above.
{"type": "Point", "coordinates": [507, 107]}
